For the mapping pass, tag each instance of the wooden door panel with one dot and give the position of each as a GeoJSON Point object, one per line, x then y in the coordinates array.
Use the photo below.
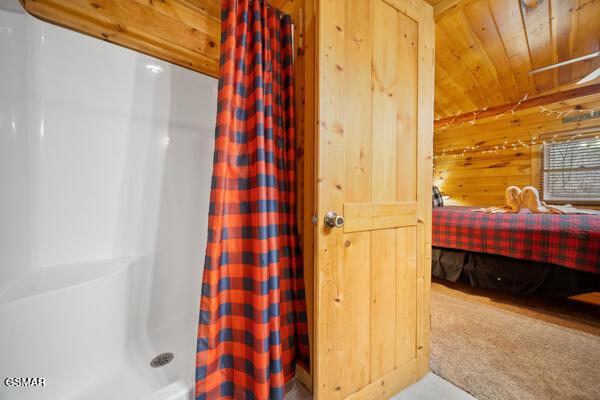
{"type": "Point", "coordinates": [375, 77]}
{"type": "Point", "coordinates": [407, 108]}
{"type": "Point", "coordinates": [383, 283]}
{"type": "Point", "coordinates": [379, 304]}
{"type": "Point", "coordinates": [357, 91]}
{"type": "Point", "coordinates": [355, 304]}
{"type": "Point", "coordinates": [384, 104]}
{"type": "Point", "coordinates": [406, 281]}
{"type": "Point", "coordinates": [394, 103]}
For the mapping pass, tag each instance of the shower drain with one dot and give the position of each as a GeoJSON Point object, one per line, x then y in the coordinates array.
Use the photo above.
{"type": "Point", "coordinates": [161, 360]}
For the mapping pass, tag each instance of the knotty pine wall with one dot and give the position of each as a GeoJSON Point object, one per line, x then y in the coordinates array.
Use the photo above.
{"type": "Point", "coordinates": [481, 179]}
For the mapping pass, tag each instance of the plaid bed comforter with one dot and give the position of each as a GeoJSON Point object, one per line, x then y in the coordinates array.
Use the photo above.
{"type": "Point", "coordinates": [572, 241]}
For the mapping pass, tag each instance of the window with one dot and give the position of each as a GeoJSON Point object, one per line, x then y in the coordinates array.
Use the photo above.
{"type": "Point", "coordinates": [571, 169]}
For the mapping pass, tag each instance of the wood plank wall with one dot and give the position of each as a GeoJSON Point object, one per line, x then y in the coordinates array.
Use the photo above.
{"type": "Point", "coordinates": [303, 14]}
{"type": "Point", "coordinates": [481, 179]}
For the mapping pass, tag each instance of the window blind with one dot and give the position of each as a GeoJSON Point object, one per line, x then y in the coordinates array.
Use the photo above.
{"type": "Point", "coordinates": [571, 170]}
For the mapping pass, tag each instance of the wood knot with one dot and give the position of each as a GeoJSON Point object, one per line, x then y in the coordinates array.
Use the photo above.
{"type": "Point", "coordinates": [530, 5]}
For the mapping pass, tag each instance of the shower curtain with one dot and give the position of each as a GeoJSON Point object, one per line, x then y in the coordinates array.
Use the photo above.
{"type": "Point", "coordinates": [253, 326]}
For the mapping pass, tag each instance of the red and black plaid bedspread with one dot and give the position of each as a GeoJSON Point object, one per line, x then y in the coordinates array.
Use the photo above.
{"type": "Point", "coordinates": [572, 241]}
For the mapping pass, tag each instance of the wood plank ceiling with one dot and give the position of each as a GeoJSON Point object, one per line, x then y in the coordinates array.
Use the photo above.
{"type": "Point", "coordinates": [485, 49]}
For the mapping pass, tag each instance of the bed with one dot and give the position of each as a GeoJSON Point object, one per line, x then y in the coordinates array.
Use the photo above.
{"type": "Point", "coordinates": [545, 254]}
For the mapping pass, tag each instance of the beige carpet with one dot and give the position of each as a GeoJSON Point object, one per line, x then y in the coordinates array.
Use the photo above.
{"type": "Point", "coordinates": [495, 353]}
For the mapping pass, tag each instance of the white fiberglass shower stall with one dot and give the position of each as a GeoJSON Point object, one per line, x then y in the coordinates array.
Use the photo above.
{"type": "Point", "coordinates": [105, 170]}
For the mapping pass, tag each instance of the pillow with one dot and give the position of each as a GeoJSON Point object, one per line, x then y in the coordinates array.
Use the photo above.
{"type": "Point", "coordinates": [438, 201]}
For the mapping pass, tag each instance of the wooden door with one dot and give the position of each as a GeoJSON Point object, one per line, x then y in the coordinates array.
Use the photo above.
{"type": "Point", "coordinates": [374, 167]}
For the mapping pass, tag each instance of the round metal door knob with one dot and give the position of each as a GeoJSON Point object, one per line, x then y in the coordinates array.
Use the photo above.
{"type": "Point", "coordinates": [332, 220]}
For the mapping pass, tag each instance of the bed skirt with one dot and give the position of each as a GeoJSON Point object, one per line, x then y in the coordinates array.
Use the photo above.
{"type": "Point", "coordinates": [511, 275]}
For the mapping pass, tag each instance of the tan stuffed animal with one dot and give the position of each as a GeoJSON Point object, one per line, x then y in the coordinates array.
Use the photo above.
{"type": "Point", "coordinates": [513, 199]}
{"type": "Point", "coordinates": [529, 198]}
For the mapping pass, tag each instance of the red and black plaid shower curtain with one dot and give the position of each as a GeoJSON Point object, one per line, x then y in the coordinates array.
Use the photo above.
{"type": "Point", "coordinates": [253, 326]}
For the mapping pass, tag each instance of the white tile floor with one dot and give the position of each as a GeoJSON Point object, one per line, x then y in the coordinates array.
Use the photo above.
{"type": "Point", "coordinates": [431, 387]}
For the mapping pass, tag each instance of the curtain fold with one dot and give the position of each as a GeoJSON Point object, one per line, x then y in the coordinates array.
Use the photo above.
{"type": "Point", "coordinates": [253, 325]}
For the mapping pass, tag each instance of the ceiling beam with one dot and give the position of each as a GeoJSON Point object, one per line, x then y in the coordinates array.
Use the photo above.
{"type": "Point", "coordinates": [182, 32]}
{"type": "Point", "coordinates": [528, 103]}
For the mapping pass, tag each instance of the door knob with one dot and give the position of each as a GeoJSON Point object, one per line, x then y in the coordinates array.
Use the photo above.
{"type": "Point", "coordinates": [332, 220]}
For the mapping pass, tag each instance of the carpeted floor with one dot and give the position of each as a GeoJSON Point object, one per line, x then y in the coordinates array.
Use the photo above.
{"type": "Point", "coordinates": [496, 349]}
